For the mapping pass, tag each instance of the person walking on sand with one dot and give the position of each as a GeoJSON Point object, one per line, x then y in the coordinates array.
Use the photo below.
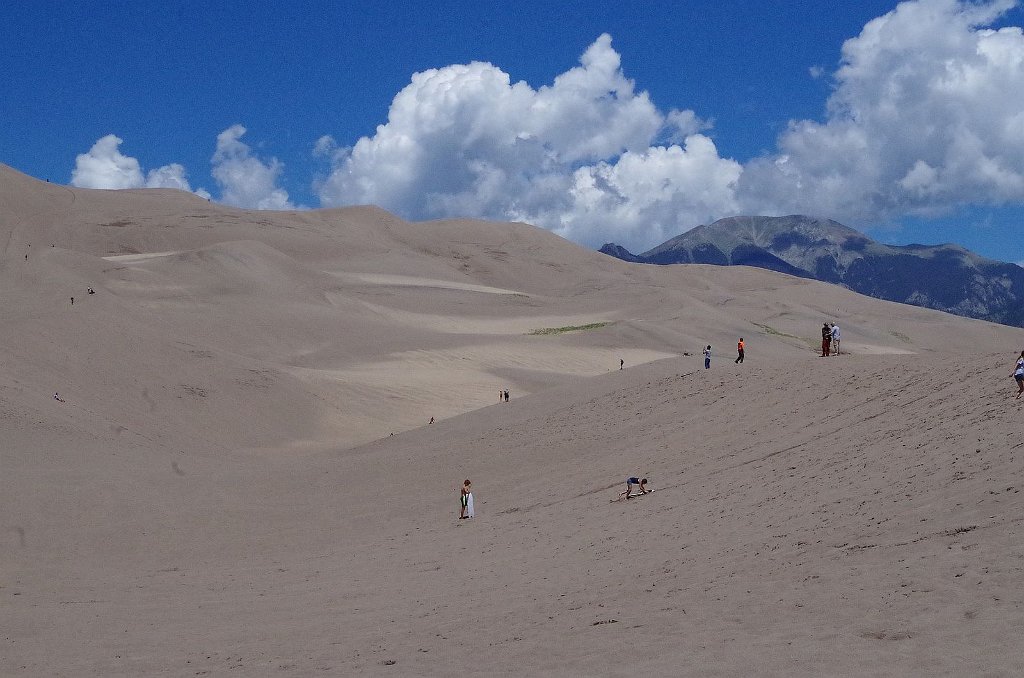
{"type": "Point", "coordinates": [826, 339]}
{"type": "Point", "coordinates": [465, 500]}
{"type": "Point", "coordinates": [835, 339]}
{"type": "Point", "coordinates": [707, 357]}
{"type": "Point", "coordinates": [739, 350]}
{"type": "Point", "coordinates": [621, 363]}
{"type": "Point", "coordinates": [506, 395]}
{"type": "Point", "coordinates": [1018, 374]}
{"type": "Point", "coordinates": [630, 482]}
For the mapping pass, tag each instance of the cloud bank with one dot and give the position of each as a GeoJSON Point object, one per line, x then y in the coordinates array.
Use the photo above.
{"type": "Point", "coordinates": [104, 166]}
{"type": "Point", "coordinates": [580, 157]}
{"type": "Point", "coordinates": [926, 115]}
{"type": "Point", "coordinates": [244, 180]}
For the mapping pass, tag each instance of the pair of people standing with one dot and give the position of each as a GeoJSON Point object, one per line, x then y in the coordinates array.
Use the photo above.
{"type": "Point", "coordinates": [829, 340]}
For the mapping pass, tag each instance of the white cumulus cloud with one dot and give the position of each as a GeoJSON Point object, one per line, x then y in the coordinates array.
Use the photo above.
{"type": "Point", "coordinates": [104, 166]}
{"type": "Point", "coordinates": [927, 114]}
{"type": "Point", "coordinates": [244, 179]}
{"type": "Point", "coordinates": [587, 156]}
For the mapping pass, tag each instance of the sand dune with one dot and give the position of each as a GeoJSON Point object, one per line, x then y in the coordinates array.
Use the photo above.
{"type": "Point", "coordinates": [220, 491]}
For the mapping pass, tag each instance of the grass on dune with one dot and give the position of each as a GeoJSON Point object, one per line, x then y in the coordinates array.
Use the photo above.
{"type": "Point", "coordinates": [568, 328]}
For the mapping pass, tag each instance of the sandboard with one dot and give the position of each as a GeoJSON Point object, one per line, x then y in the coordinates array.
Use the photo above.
{"type": "Point", "coordinates": [470, 513]}
{"type": "Point", "coordinates": [632, 496]}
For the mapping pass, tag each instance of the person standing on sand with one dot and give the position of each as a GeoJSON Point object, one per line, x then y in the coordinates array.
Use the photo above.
{"type": "Point", "coordinates": [621, 363]}
{"type": "Point", "coordinates": [464, 499]}
{"type": "Point", "coordinates": [707, 357]}
{"type": "Point", "coordinates": [826, 339]}
{"type": "Point", "coordinates": [835, 339]}
{"type": "Point", "coordinates": [739, 350]}
{"type": "Point", "coordinates": [506, 395]}
{"type": "Point", "coordinates": [1018, 374]}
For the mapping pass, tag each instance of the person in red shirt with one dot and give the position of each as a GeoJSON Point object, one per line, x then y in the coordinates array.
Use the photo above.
{"type": "Point", "coordinates": [739, 350]}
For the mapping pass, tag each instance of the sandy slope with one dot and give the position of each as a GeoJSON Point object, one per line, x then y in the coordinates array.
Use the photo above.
{"type": "Point", "coordinates": [220, 490]}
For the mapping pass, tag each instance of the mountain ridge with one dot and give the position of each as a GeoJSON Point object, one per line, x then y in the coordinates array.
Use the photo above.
{"type": "Point", "coordinates": [946, 277]}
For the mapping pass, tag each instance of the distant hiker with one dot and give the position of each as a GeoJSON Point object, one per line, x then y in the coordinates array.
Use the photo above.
{"type": "Point", "coordinates": [1018, 374]}
{"type": "Point", "coordinates": [91, 290]}
{"type": "Point", "coordinates": [72, 301]}
{"type": "Point", "coordinates": [835, 339]}
{"type": "Point", "coordinates": [26, 257]}
{"type": "Point", "coordinates": [56, 396]}
{"type": "Point", "coordinates": [621, 363]}
{"type": "Point", "coordinates": [826, 339]}
{"type": "Point", "coordinates": [431, 421]}
{"type": "Point", "coordinates": [501, 395]}
{"type": "Point", "coordinates": [707, 357]}
{"type": "Point", "coordinates": [465, 499]}
{"type": "Point", "coordinates": [739, 350]}
{"type": "Point", "coordinates": [506, 395]}
{"type": "Point", "coordinates": [630, 482]}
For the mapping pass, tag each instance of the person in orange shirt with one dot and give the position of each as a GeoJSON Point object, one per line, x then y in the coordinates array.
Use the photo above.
{"type": "Point", "coordinates": [739, 350]}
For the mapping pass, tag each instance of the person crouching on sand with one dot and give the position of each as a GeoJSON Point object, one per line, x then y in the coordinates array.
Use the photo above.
{"type": "Point", "coordinates": [464, 499]}
{"type": "Point", "coordinates": [1018, 374]}
{"type": "Point", "coordinates": [630, 482]}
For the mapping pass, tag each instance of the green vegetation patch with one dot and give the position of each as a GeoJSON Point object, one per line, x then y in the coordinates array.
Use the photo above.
{"type": "Point", "coordinates": [568, 328]}
{"type": "Point", "coordinates": [768, 329]}
{"type": "Point", "coordinates": [900, 336]}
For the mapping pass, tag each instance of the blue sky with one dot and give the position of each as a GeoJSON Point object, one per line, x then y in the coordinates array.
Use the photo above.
{"type": "Point", "coordinates": [607, 121]}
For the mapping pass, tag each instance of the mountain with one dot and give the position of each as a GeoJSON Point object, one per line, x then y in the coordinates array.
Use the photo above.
{"type": "Point", "coordinates": [943, 277]}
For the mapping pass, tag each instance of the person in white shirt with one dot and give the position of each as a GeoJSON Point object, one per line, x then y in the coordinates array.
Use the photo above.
{"type": "Point", "coordinates": [1018, 374]}
{"type": "Point", "coordinates": [835, 339]}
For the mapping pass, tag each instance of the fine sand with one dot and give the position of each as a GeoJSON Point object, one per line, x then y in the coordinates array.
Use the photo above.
{"type": "Point", "coordinates": [220, 491]}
